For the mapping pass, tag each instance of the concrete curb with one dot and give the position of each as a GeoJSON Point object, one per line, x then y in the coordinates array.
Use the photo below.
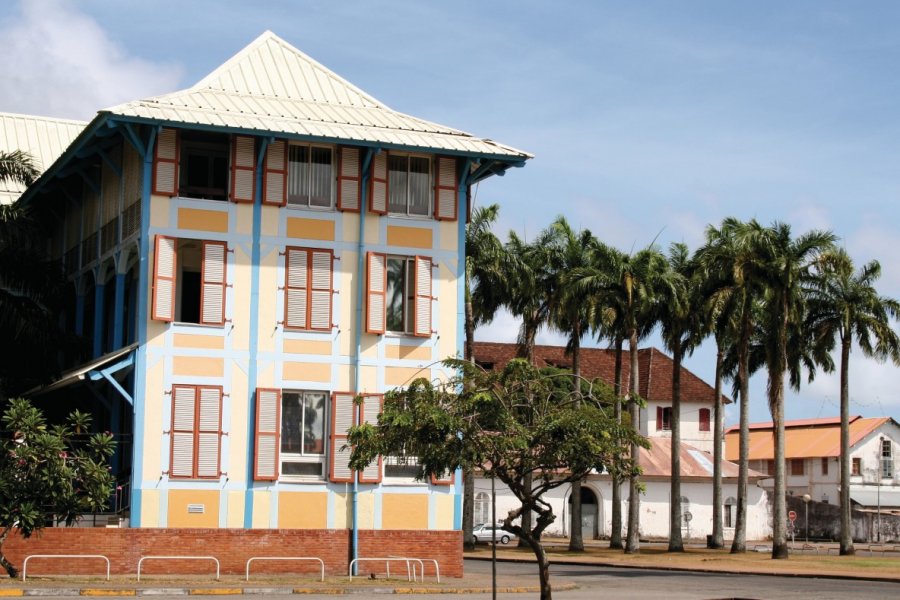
{"type": "Point", "coordinates": [256, 591]}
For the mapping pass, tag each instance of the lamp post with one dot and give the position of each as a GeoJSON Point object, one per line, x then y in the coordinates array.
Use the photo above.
{"type": "Point", "coordinates": [879, 471]}
{"type": "Point", "coordinates": [806, 499]}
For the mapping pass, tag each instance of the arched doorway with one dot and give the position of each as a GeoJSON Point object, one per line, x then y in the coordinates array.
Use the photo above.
{"type": "Point", "coordinates": [590, 513]}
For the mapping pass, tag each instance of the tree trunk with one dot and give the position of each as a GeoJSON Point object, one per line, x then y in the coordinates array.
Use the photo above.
{"type": "Point", "coordinates": [846, 534]}
{"type": "Point", "coordinates": [468, 516]}
{"type": "Point", "coordinates": [576, 540]}
{"type": "Point", "coordinates": [777, 368]}
{"type": "Point", "coordinates": [676, 544]}
{"type": "Point", "coordinates": [739, 543]}
{"type": "Point", "coordinates": [615, 536]}
{"type": "Point", "coordinates": [10, 570]}
{"type": "Point", "coordinates": [718, 538]}
{"type": "Point", "coordinates": [632, 541]}
{"type": "Point", "coordinates": [526, 513]}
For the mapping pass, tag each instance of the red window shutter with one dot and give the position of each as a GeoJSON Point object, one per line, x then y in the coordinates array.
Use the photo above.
{"type": "Point", "coordinates": [659, 418]}
{"type": "Point", "coordinates": [447, 478]}
{"type": "Point", "coordinates": [165, 163]}
{"type": "Point", "coordinates": [296, 289]}
{"type": "Point", "coordinates": [275, 174]}
{"type": "Point", "coordinates": [164, 272]}
{"type": "Point", "coordinates": [320, 289]}
{"type": "Point", "coordinates": [423, 297]}
{"type": "Point", "coordinates": [378, 184]}
{"type": "Point", "coordinates": [268, 434]}
{"type": "Point", "coordinates": [376, 290]}
{"type": "Point", "coordinates": [343, 416]}
{"type": "Point", "coordinates": [243, 168]}
{"type": "Point", "coordinates": [446, 189]}
{"type": "Point", "coordinates": [209, 432]}
{"type": "Point", "coordinates": [348, 179]}
{"type": "Point", "coordinates": [212, 294]}
{"type": "Point", "coordinates": [704, 419]}
{"type": "Point", "coordinates": [371, 407]}
{"type": "Point", "coordinates": [184, 418]}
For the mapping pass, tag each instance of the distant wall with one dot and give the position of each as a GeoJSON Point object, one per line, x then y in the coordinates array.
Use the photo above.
{"type": "Point", "coordinates": [825, 522]}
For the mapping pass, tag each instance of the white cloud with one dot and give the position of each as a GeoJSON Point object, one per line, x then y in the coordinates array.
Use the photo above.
{"type": "Point", "coordinates": [60, 62]}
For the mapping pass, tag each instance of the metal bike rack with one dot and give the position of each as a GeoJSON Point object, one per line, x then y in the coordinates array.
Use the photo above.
{"type": "Point", "coordinates": [387, 560]}
{"type": "Point", "coordinates": [143, 558]}
{"type": "Point", "coordinates": [27, 558]}
{"type": "Point", "coordinates": [313, 558]}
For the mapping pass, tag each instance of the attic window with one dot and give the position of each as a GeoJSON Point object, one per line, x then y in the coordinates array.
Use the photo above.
{"type": "Point", "coordinates": [204, 165]}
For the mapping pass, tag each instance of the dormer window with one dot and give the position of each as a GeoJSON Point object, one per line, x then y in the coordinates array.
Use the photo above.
{"type": "Point", "coordinates": [310, 176]}
{"type": "Point", "coordinates": [204, 165]}
{"type": "Point", "coordinates": [409, 185]}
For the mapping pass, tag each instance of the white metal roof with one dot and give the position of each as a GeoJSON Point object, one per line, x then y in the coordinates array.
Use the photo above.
{"type": "Point", "coordinates": [44, 138]}
{"type": "Point", "coordinates": [271, 86]}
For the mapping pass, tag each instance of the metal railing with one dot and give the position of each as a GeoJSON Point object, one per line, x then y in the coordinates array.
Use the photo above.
{"type": "Point", "coordinates": [387, 561]}
{"type": "Point", "coordinates": [422, 561]}
{"type": "Point", "coordinates": [143, 558]}
{"type": "Point", "coordinates": [310, 558]}
{"type": "Point", "coordinates": [27, 558]}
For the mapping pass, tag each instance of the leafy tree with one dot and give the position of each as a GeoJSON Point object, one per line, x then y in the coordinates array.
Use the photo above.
{"type": "Point", "coordinates": [844, 305]}
{"type": "Point", "coordinates": [509, 424]}
{"type": "Point", "coordinates": [49, 472]}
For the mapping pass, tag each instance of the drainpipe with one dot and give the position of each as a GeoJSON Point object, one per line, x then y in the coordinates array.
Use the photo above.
{"type": "Point", "coordinates": [360, 269]}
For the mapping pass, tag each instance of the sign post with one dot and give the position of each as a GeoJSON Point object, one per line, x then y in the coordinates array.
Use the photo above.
{"type": "Point", "coordinates": [792, 515]}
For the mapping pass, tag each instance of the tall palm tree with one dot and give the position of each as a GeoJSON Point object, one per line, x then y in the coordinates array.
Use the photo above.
{"type": "Point", "coordinates": [680, 333]}
{"type": "Point", "coordinates": [844, 305]}
{"type": "Point", "coordinates": [571, 313]}
{"type": "Point", "coordinates": [484, 269]}
{"type": "Point", "coordinates": [18, 167]}
{"type": "Point", "coordinates": [787, 265]}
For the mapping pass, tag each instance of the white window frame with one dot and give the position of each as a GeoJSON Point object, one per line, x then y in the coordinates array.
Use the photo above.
{"type": "Point", "coordinates": [332, 193]}
{"type": "Point", "coordinates": [429, 212]}
{"type": "Point", "coordinates": [301, 457]}
{"type": "Point", "coordinates": [400, 480]}
{"type": "Point", "coordinates": [887, 459]}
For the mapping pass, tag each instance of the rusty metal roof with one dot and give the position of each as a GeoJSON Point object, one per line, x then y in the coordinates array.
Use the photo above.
{"type": "Point", "coordinates": [695, 463]}
{"type": "Point", "coordinates": [807, 438]}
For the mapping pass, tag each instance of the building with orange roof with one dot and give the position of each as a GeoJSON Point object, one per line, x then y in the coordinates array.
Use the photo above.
{"type": "Point", "coordinates": [813, 451]}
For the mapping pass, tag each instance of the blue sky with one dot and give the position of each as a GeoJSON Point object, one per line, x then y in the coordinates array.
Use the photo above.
{"type": "Point", "coordinates": [648, 120]}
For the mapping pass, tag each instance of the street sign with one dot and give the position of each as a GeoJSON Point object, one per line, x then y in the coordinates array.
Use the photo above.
{"type": "Point", "coordinates": [792, 515]}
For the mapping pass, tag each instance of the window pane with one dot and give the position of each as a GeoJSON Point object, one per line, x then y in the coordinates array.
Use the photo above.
{"type": "Point", "coordinates": [397, 183]}
{"type": "Point", "coordinates": [419, 186]}
{"type": "Point", "coordinates": [298, 175]}
{"type": "Point", "coordinates": [291, 422]}
{"type": "Point", "coordinates": [314, 423]}
{"type": "Point", "coordinates": [301, 468]}
{"type": "Point", "coordinates": [320, 177]}
{"type": "Point", "coordinates": [396, 290]}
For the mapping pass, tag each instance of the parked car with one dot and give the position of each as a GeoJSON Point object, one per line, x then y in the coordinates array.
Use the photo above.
{"type": "Point", "coordinates": [484, 533]}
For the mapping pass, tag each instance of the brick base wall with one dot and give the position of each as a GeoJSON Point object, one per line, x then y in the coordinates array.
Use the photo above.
{"type": "Point", "coordinates": [232, 547]}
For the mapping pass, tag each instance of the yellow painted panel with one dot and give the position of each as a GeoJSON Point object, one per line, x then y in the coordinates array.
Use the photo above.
{"type": "Point", "coordinates": [394, 376]}
{"type": "Point", "coordinates": [149, 508]}
{"type": "Point", "coordinates": [203, 220]}
{"type": "Point", "coordinates": [178, 508]}
{"type": "Point", "coordinates": [404, 511]}
{"type": "Point", "coordinates": [240, 334]}
{"type": "Point", "coordinates": [268, 316]}
{"type": "Point", "coordinates": [408, 352]}
{"type": "Point", "coordinates": [341, 511]}
{"type": "Point", "coordinates": [300, 371]}
{"type": "Point", "coordinates": [235, 517]}
{"type": "Point", "coordinates": [271, 217]}
{"type": "Point", "coordinates": [447, 313]}
{"type": "Point", "coordinates": [237, 436]}
{"type": "Point", "coordinates": [261, 510]}
{"type": "Point", "coordinates": [449, 233]}
{"type": "Point", "coordinates": [155, 406]}
{"type": "Point", "coordinates": [411, 237]}
{"type": "Point", "coordinates": [368, 379]}
{"type": "Point", "coordinates": [366, 508]}
{"type": "Point", "coordinates": [443, 511]}
{"type": "Point", "coordinates": [159, 211]}
{"type": "Point", "coordinates": [211, 342]}
{"type": "Point", "coordinates": [373, 229]}
{"type": "Point", "coordinates": [350, 227]}
{"type": "Point", "coordinates": [307, 347]}
{"type": "Point", "coordinates": [302, 510]}
{"type": "Point", "coordinates": [310, 229]}
{"type": "Point", "coordinates": [198, 366]}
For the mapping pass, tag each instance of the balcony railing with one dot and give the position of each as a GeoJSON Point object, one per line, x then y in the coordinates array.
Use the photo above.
{"type": "Point", "coordinates": [109, 235]}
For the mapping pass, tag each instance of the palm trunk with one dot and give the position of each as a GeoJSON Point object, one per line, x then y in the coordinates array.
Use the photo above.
{"type": "Point", "coordinates": [846, 535]}
{"type": "Point", "coordinates": [739, 543]}
{"type": "Point", "coordinates": [527, 351]}
{"type": "Point", "coordinates": [777, 368]}
{"type": "Point", "coordinates": [676, 544]}
{"type": "Point", "coordinates": [576, 539]}
{"type": "Point", "coordinates": [615, 536]}
{"type": "Point", "coordinates": [718, 539]}
{"type": "Point", "coordinates": [632, 541]}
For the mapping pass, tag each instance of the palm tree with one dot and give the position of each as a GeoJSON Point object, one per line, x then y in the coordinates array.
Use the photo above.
{"type": "Point", "coordinates": [680, 333]}
{"type": "Point", "coordinates": [786, 269]}
{"type": "Point", "coordinates": [18, 167]}
{"type": "Point", "coordinates": [484, 269]}
{"type": "Point", "coordinates": [571, 313]}
{"type": "Point", "coordinates": [845, 305]}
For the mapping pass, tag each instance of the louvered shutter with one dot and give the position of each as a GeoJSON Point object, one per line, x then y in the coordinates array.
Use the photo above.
{"type": "Point", "coordinates": [343, 411]}
{"type": "Point", "coordinates": [275, 174]}
{"type": "Point", "coordinates": [165, 163]}
{"type": "Point", "coordinates": [371, 406]}
{"type": "Point", "coordinates": [423, 297]}
{"type": "Point", "coordinates": [243, 168]}
{"type": "Point", "coordinates": [659, 418]}
{"type": "Point", "coordinates": [296, 288]}
{"type": "Point", "coordinates": [446, 189]}
{"type": "Point", "coordinates": [182, 432]}
{"type": "Point", "coordinates": [320, 290]}
{"type": "Point", "coordinates": [447, 478]}
{"type": "Point", "coordinates": [348, 179]}
{"type": "Point", "coordinates": [268, 433]}
{"type": "Point", "coordinates": [376, 287]}
{"type": "Point", "coordinates": [378, 184]}
{"type": "Point", "coordinates": [212, 298]}
{"type": "Point", "coordinates": [209, 432]}
{"type": "Point", "coordinates": [164, 279]}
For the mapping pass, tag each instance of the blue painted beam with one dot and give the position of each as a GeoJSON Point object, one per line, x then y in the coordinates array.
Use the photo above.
{"type": "Point", "coordinates": [117, 169]}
